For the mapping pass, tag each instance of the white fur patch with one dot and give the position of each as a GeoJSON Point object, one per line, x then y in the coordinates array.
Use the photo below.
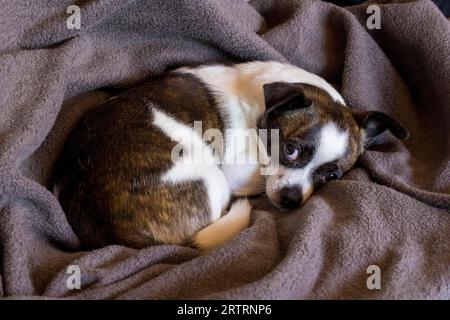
{"type": "Point", "coordinates": [187, 170]}
{"type": "Point", "coordinates": [332, 144]}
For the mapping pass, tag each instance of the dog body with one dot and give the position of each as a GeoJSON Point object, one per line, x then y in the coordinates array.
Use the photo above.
{"type": "Point", "coordinates": [138, 171]}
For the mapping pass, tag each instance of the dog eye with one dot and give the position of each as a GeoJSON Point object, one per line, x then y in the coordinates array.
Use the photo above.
{"type": "Point", "coordinates": [291, 151]}
{"type": "Point", "coordinates": [331, 176]}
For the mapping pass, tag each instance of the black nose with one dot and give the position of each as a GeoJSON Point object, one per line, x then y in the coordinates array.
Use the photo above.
{"type": "Point", "coordinates": [291, 198]}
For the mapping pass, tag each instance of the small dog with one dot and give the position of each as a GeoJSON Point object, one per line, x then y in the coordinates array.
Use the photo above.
{"type": "Point", "coordinates": [119, 182]}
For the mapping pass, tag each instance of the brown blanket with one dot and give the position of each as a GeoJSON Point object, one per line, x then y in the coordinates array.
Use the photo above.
{"type": "Point", "coordinates": [392, 210]}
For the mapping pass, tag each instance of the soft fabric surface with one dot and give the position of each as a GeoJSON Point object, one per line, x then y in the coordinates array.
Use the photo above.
{"type": "Point", "coordinates": [392, 210]}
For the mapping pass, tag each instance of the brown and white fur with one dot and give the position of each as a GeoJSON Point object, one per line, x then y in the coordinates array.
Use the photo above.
{"type": "Point", "coordinates": [118, 183]}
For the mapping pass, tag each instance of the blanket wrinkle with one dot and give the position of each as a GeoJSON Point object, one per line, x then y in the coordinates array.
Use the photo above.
{"type": "Point", "coordinates": [392, 210]}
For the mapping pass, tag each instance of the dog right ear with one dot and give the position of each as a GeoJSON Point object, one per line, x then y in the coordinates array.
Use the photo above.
{"type": "Point", "coordinates": [374, 123]}
{"type": "Point", "coordinates": [283, 96]}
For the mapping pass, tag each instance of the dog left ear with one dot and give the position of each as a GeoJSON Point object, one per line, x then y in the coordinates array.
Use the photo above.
{"type": "Point", "coordinates": [374, 123]}
{"type": "Point", "coordinates": [283, 96]}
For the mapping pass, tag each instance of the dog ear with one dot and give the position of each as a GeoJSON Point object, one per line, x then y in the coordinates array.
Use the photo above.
{"type": "Point", "coordinates": [374, 123]}
{"type": "Point", "coordinates": [283, 96]}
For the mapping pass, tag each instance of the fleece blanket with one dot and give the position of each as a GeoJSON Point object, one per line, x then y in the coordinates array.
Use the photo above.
{"type": "Point", "coordinates": [381, 232]}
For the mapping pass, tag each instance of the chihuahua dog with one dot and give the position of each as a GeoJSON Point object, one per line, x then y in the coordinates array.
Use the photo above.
{"type": "Point", "coordinates": [127, 176]}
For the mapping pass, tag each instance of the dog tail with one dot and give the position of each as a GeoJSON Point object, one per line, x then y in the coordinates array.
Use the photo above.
{"type": "Point", "coordinates": [229, 225]}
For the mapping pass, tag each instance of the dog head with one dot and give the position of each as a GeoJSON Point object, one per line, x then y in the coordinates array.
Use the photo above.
{"type": "Point", "coordinates": [319, 139]}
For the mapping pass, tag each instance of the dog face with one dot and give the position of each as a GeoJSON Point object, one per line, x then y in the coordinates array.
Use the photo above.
{"type": "Point", "coordinates": [319, 139]}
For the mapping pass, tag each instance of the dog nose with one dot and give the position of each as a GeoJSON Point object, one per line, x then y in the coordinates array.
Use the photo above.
{"type": "Point", "coordinates": [291, 198]}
